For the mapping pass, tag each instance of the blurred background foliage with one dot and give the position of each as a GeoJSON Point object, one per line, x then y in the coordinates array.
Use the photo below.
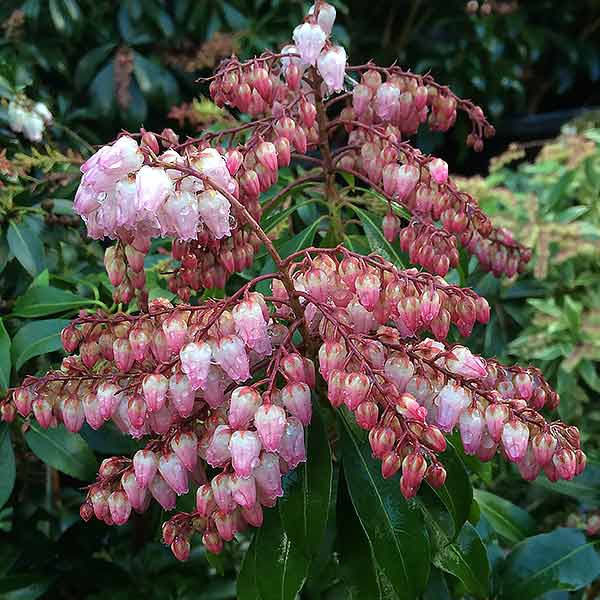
{"type": "Point", "coordinates": [103, 66]}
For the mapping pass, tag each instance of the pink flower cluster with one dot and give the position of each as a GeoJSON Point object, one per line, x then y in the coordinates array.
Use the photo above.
{"type": "Point", "coordinates": [122, 197]}
{"type": "Point", "coordinates": [405, 392]}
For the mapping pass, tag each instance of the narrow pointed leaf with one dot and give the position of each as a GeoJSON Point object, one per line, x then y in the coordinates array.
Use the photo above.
{"type": "Point", "coordinates": [26, 246]}
{"type": "Point", "coordinates": [376, 239]}
{"type": "Point", "coordinates": [35, 338]}
{"type": "Point", "coordinates": [394, 527]}
{"type": "Point", "coordinates": [7, 464]}
{"type": "Point", "coordinates": [5, 362]}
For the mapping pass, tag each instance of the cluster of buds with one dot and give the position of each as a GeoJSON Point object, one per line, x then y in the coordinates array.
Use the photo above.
{"type": "Point", "coordinates": [406, 392]}
{"type": "Point", "coordinates": [405, 100]}
{"type": "Point", "coordinates": [124, 264]}
{"type": "Point", "coordinates": [28, 118]}
{"type": "Point", "coordinates": [207, 263]}
{"type": "Point", "coordinates": [421, 185]}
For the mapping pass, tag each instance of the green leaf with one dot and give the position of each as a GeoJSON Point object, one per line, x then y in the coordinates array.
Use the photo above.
{"type": "Point", "coordinates": [35, 338]}
{"type": "Point", "coordinates": [4, 357]}
{"type": "Point", "coordinates": [7, 464]}
{"type": "Point", "coordinates": [274, 568]}
{"type": "Point", "coordinates": [90, 63]}
{"type": "Point", "coordinates": [467, 559]}
{"type": "Point", "coordinates": [307, 491]}
{"type": "Point", "coordinates": [24, 587]}
{"type": "Point", "coordinates": [27, 247]}
{"type": "Point", "coordinates": [377, 242]}
{"type": "Point", "coordinates": [65, 451]}
{"type": "Point", "coordinates": [273, 220]}
{"type": "Point", "coordinates": [357, 567]}
{"type": "Point", "coordinates": [394, 527]}
{"type": "Point", "coordinates": [41, 301]}
{"type": "Point", "coordinates": [559, 560]}
{"type": "Point", "coordinates": [508, 520]}
{"type": "Point", "coordinates": [457, 493]}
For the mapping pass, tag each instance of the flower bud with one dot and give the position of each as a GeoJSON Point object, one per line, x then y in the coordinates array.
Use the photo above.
{"type": "Point", "coordinates": [436, 475]}
{"type": "Point", "coordinates": [382, 440]}
{"type": "Point", "coordinates": [367, 415]}
{"type": "Point", "coordinates": [565, 462]}
{"type": "Point", "coordinates": [174, 473]}
{"type": "Point", "coordinates": [212, 542]}
{"type": "Point", "coordinates": [270, 422]}
{"type": "Point", "coordinates": [496, 415]}
{"type": "Point", "coordinates": [137, 495]}
{"type": "Point", "coordinates": [181, 393]}
{"type": "Point", "coordinates": [221, 488]}
{"type": "Point", "coordinates": [162, 492]}
{"type": "Point", "coordinates": [390, 464]}
{"type": "Point", "coordinates": [217, 453]}
{"type": "Point", "coordinates": [185, 446]}
{"type": "Point", "coordinates": [155, 388]}
{"type": "Point", "coordinates": [544, 446]}
{"type": "Point", "coordinates": [471, 425]}
{"type": "Point", "coordinates": [205, 500]}
{"type": "Point", "coordinates": [515, 437]}
{"type": "Point", "coordinates": [119, 507]}
{"type": "Point", "coordinates": [245, 447]}
{"type": "Point", "coordinates": [292, 448]}
{"type": "Point", "coordinates": [145, 464]}
{"type": "Point", "coordinates": [243, 491]}
{"type": "Point", "coordinates": [297, 401]}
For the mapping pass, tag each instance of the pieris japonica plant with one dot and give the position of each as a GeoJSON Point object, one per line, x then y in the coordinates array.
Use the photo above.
{"type": "Point", "coordinates": [219, 392]}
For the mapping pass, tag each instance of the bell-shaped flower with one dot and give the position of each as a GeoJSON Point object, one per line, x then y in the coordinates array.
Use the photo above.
{"type": "Point", "coordinates": [309, 40]}
{"type": "Point", "coordinates": [230, 354]}
{"type": "Point", "coordinates": [332, 68]}
{"type": "Point", "coordinates": [214, 210]}
{"type": "Point", "coordinates": [195, 362]}
{"type": "Point", "coordinates": [245, 447]}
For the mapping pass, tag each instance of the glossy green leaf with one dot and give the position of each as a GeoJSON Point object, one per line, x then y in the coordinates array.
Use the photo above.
{"type": "Point", "coordinates": [41, 301]}
{"type": "Point", "coordinates": [307, 491]}
{"type": "Point", "coordinates": [357, 567]}
{"type": "Point", "coordinates": [466, 558]}
{"type": "Point", "coordinates": [24, 587]}
{"type": "Point", "coordinates": [35, 338]}
{"type": "Point", "coordinates": [7, 464]}
{"type": "Point", "coordinates": [5, 361]}
{"type": "Point", "coordinates": [508, 520]}
{"type": "Point", "coordinates": [26, 246]}
{"type": "Point", "coordinates": [274, 567]}
{"type": "Point", "coordinates": [90, 62]}
{"type": "Point", "coordinates": [559, 560]}
{"type": "Point", "coordinates": [394, 527]}
{"type": "Point", "coordinates": [457, 493]}
{"type": "Point", "coordinates": [65, 451]}
{"type": "Point", "coordinates": [377, 242]}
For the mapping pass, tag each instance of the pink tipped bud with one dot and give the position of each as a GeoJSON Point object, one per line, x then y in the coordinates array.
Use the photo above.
{"type": "Point", "coordinates": [221, 488]}
{"type": "Point", "coordinates": [462, 362]}
{"type": "Point", "coordinates": [430, 305]}
{"type": "Point", "coordinates": [139, 341]}
{"type": "Point", "coordinates": [361, 97]}
{"type": "Point", "coordinates": [174, 473]}
{"type": "Point", "coordinates": [544, 446]}
{"type": "Point", "coordinates": [217, 453]}
{"type": "Point", "coordinates": [390, 464]}
{"type": "Point", "coordinates": [284, 151]}
{"type": "Point", "coordinates": [244, 403]}
{"type": "Point", "coordinates": [175, 330]}
{"type": "Point", "coordinates": [119, 506]}
{"type": "Point", "coordinates": [292, 448]}
{"type": "Point", "coordinates": [367, 288]}
{"type": "Point", "coordinates": [356, 388]}
{"type": "Point", "coordinates": [245, 447]}
{"type": "Point", "coordinates": [180, 548]}
{"type": "Point", "coordinates": [331, 357]}
{"type": "Point", "coordinates": [266, 155]}
{"type": "Point", "coordinates": [162, 492]}
{"type": "Point", "coordinates": [408, 407]}
{"type": "Point", "coordinates": [413, 469]}
{"type": "Point", "coordinates": [72, 414]}
{"type": "Point", "coordinates": [436, 476]}
{"type": "Point", "coordinates": [471, 425]}
{"type": "Point", "coordinates": [391, 226]}
{"type": "Point", "coordinates": [250, 184]}
{"type": "Point", "coordinates": [70, 337]}
{"type": "Point", "coordinates": [234, 160]}
{"type": "Point", "coordinates": [155, 388]}
{"type": "Point", "coordinates": [253, 515]}
{"type": "Point", "coordinates": [317, 284]}
{"type": "Point", "coordinates": [137, 496]}
{"type": "Point", "coordinates": [367, 415]}
{"type": "Point", "coordinates": [86, 511]}
{"type": "Point", "coordinates": [23, 398]}
{"type": "Point", "coordinates": [115, 266]}
{"type": "Point", "coordinates": [292, 367]}
{"type": "Point", "coordinates": [122, 354]}
{"type": "Point", "coordinates": [515, 437]}
{"type": "Point", "coordinates": [182, 394]}
{"type": "Point", "coordinates": [382, 440]}
{"type": "Point", "coordinates": [297, 401]}
{"type": "Point", "coordinates": [244, 491]}
{"type": "Point", "coordinates": [225, 524]}
{"type": "Point", "coordinates": [42, 410]}
{"type": "Point", "coordinates": [434, 439]}
{"type": "Point", "coordinates": [496, 415]}
{"type": "Point", "coordinates": [195, 363]}
{"type": "Point", "coordinates": [99, 497]}
{"type": "Point", "coordinates": [335, 388]}
{"type": "Point", "coordinates": [406, 489]}
{"type": "Point", "coordinates": [136, 411]}
{"type": "Point", "coordinates": [565, 462]}
{"type": "Point", "coordinates": [268, 476]}
{"type": "Point", "coordinates": [439, 170]}
{"type": "Point", "coordinates": [524, 385]}
{"type": "Point", "coordinates": [452, 400]}
{"type": "Point", "coordinates": [212, 542]}
{"type": "Point", "coordinates": [145, 464]}
{"type": "Point", "coordinates": [185, 446]}
{"type": "Point", "coordinates": [482, 310]}
{"type": "Point", "coordinates": [270, 422]}
{"type": "Point", "coordinates": [205, 500]}
{"type": "Point", "coordinates": [8, 413]}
